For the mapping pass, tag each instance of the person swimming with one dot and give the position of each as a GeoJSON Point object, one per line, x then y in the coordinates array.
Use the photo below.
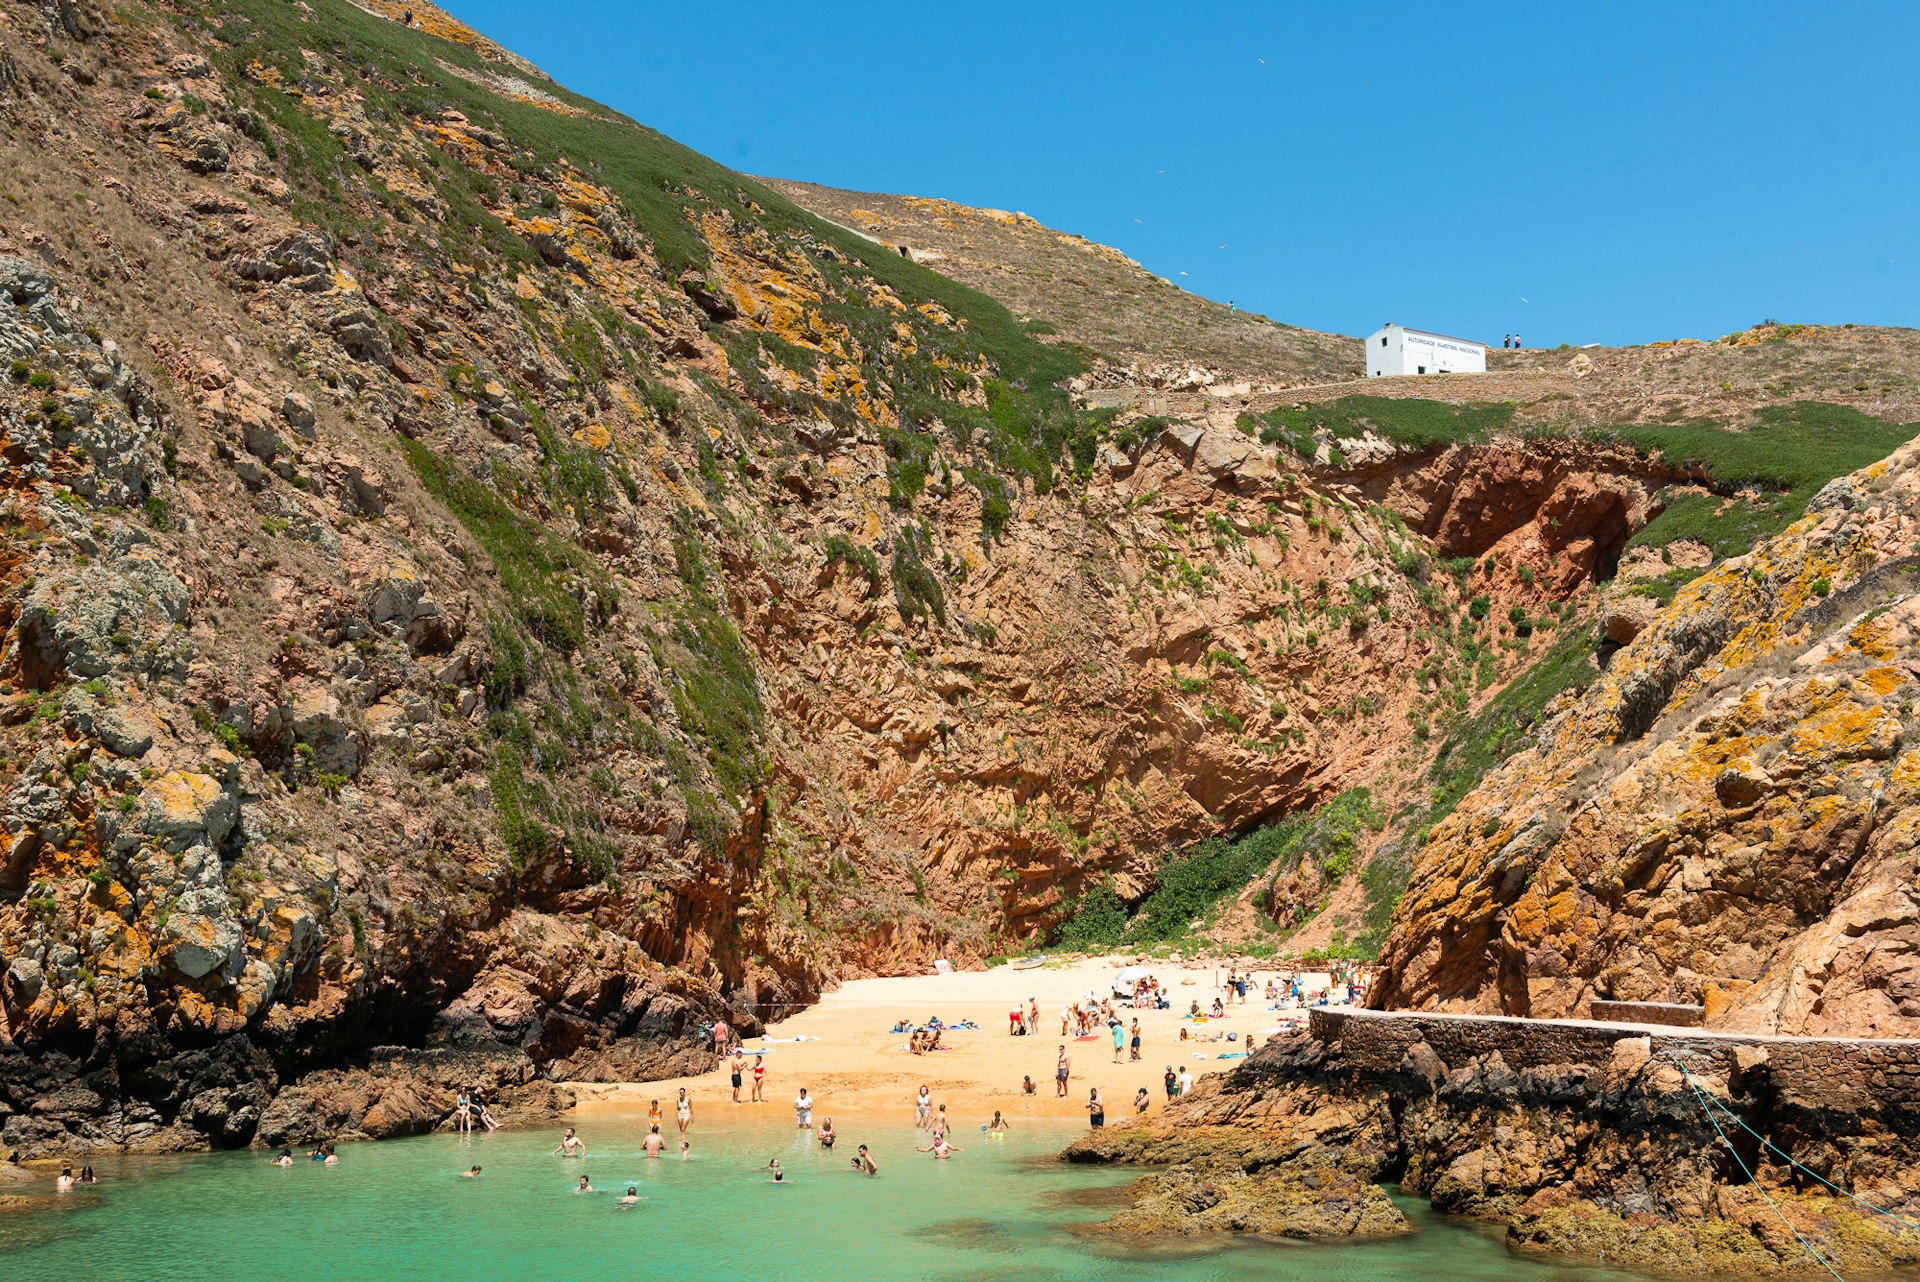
{"type": "Point", "coordinates": [63, 1182]}
{"type": "Point", "coordinates": [863, 1162]}
{"type": "Point", "coordinates": [779, 1173]}
{"type": "Point", "coordinates": [584, 1187]}
{"type": "Point", "coordinates": [633, 1196]}
{"type": "Point", "coordinates": [329, 1157]}
{"type": "Point", "coordinates": [471, 1173]}
{"type": "Point", "coordinates": [285, 1158]}
{"type": "Point", "coordinates": [655, 1141]}
{"type": "Point", "coordinates": [686, 1150]}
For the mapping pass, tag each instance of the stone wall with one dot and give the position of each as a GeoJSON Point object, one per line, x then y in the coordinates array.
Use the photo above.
{"type": "Point", "coordinates": [1811, 1076]}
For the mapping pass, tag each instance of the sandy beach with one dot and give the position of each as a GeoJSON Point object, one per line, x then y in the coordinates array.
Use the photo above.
{"type": "Point", "coordinates": [852, 1065]}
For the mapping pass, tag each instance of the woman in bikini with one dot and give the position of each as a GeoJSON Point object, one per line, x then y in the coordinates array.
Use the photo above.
{"type": "Point", "coordinates": [684, 1108]}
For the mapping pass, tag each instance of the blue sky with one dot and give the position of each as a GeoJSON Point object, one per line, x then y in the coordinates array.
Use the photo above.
{"type": "Point", "coordinates": [1606, 173]}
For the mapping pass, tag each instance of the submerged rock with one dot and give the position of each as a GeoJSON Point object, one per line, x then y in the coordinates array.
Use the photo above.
{"type": "Point", "coordinates": [1294, 1202]}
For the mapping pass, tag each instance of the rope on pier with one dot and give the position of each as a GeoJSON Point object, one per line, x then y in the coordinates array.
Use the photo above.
{"type": "Point", "coordinates": [1705, 1101]}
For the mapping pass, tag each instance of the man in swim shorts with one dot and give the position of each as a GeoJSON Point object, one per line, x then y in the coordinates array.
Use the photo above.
{"type": "Point", "coordinates": [739, 1067]}
{"type": "Point", "coordinates": [1060, 1075]}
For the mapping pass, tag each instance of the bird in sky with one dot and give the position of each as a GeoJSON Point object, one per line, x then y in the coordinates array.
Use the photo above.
{"type": "Point", "coordinates": [1183, 273]}
{"type": "Point", "coordinates": [1263, 62]}
{"type": "Point", "coordinates": [1219, 246]}
{"type": "Point", "coordinates": [1139, 220]}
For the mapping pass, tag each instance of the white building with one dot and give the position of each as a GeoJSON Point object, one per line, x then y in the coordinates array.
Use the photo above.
{"type": "Point", "coordinates": [1394, 349]}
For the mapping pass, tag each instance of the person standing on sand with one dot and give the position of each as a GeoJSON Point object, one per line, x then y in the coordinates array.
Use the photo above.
{"type": "Point", "coordinates": [1033, 1015]}
{"type": "Point", "coordinates": [1119, 1038]}
{"type": "Point", "coordinates": [1173, 1083]}
{"type": "Point", "coordinates": [1060, 1075]}
{"type": "Point", "coordinates": [803, 1110]}
{"type": "Point", "coordinates": [739, 1068]}
{"type": "Point", "coordinates": [1096, 1109]}
{"type": "Point", "coordinates": [570, 1145]}
{"type": "Point", "coordinates": [759, 1078]}
{"type": "Point", "coordinates": [922, 1109]}
{"type": "Point", "coordinates": [1135, 1057]}
{"type": "Point", "coordinates": [684, 1108]}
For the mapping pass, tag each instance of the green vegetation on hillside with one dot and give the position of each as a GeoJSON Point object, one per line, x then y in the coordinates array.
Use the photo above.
{"type": "Point", "coordinates": [1791, 451]}
{"type": "Point", "coordinates": [1029, 424]}
{"type": "Point", "coordinates": [1476, 745]}
{"type": "Point", "coordinates": [1410, 424]}
{"type": "Point", "coordinates": [1192, 884]}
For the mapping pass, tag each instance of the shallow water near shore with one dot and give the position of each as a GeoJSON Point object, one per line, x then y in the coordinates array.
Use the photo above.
{"type": "Point", "coordinates": [1002, 1209]}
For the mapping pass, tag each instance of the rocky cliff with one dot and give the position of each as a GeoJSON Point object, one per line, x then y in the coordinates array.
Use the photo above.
{"type": "Point", "coordinates": [1726, 818]}
{"type": "Point", "coordinates": [485, 590]}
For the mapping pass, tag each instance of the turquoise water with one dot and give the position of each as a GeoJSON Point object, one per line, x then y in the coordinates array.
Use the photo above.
{"type": "Point", "coordinates": [1000, 1211]}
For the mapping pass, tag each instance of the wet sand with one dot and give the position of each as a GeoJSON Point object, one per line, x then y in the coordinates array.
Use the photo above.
{"type": "Point", "coordinates": [851, 1065]}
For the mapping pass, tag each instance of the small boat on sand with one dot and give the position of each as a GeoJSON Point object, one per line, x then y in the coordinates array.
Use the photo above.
{"type": "Point", "coordinates": [1026, 963]}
